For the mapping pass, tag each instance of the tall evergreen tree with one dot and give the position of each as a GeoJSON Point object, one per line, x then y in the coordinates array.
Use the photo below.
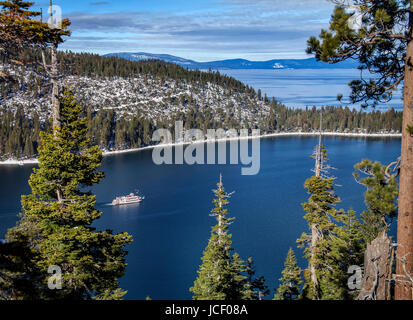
{"type": "Point", "coordinates": [345, 247]}
{"type": "Point", "coordinates": [291, 280]}
{"type": "Point", "coordinates": [338, 243]}
{"type": "Point", "coordinates": [319, 209]}
{"type": "Point", "coordinates": [383, 45]}
{"type": "Point", "coordinates": [57, 216]}
{"type": "Point", "coordinates": [220, 276]}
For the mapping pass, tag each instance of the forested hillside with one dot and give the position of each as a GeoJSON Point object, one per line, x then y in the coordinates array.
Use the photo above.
{"type": "Point", "coordinates": [125, 101]}
{"type": "Point", "coordinates": [338, 119]}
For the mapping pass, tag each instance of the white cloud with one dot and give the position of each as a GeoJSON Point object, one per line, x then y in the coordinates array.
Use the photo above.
{"type": "Point", "coordinates": [229, 29]}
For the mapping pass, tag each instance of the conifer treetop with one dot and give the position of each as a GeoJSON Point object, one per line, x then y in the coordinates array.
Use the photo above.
{"type": "Point", "coordinates": [56, 223]}
{"type": "Point", "coordinates": [379, 44]}
{"type": "Point", "coordinates": [20, 28]}
{"type": "Point", "coordinates": [291, 280]}
{"type": "Point", "coordinates": [221, 274]}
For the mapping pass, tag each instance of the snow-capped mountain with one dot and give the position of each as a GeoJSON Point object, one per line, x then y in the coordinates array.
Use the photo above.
{"type": "Point", "coordinates": [310, 63]}
{"type": "Point", "coordinates": [143, 56]}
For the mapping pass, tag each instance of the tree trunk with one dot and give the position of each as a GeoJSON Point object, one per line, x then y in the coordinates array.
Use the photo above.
{"type": "Point", "coordinates": [314, 280]}
{"type": "Point", "coordinates": [378, 262]}
{"type": "Point", "coordinates": [405, 216]}
{"type": "Point", "coordinates": [55, 91]}
{"type": "Point", "coordinates": [314, 230]}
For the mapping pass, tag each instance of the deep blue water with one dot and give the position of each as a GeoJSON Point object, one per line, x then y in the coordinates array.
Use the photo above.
{"type": "Point", "coordinates": [305, 87]}
{"type": "Point", "coordinates": [172, 226]}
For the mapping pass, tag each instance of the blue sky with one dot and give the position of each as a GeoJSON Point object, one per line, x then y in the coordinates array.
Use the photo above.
{"type": "Point", "coordinates": [202, 30]}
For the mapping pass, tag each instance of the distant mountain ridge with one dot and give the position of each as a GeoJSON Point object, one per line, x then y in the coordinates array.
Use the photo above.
{"type": "Point", "coordinates": [310, 63]}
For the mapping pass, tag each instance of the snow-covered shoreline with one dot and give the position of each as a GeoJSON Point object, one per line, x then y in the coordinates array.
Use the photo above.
{"type": "Point", "coordinates": [14, 162]}
{"type": "Point", "coordinates": [270, 135]}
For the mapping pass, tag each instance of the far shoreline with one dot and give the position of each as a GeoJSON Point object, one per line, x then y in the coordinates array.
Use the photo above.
{"type": "Point", "coordinates": [14, 162]}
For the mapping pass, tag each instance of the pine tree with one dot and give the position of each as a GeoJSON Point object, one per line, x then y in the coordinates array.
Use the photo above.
{"type": "Point", "coordinates": [347, 247]}
{"type": "Point", "coordinates": [383, 46]}
{"type": "Point", "coordinates": [380, 198]}
{"type": "Point", "coordinates": [57, 216]}
{"type": "Point", "coordinates": [291, 280]}
{"type": "Point", "coordinates": [220, 277]}
{"type": "Point", "coordinates": [335, 242]}
{"type": "Point", "coordinates": [257, 286]}
{"type": "Point", "coordinates": [21, 30]}
{"type": "Point", "coordinates": [319, 208]}
{"type": "Point", "coordinates": [17, 270]}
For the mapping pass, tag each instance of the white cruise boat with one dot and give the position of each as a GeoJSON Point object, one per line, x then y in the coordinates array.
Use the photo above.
{"type": "Point", "coordinates": [129, 199]}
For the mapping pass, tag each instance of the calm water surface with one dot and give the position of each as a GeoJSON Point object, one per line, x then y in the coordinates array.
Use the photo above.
{"type": "Point", "coordinates": [172, 226]}
{"type": "Point", "coordinates": [305, 87]}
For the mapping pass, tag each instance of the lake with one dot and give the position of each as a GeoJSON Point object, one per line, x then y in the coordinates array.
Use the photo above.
{"type": "Point", "coordinates": [172, 226]}
{"type": "Point", "coordinates": [305, 87]}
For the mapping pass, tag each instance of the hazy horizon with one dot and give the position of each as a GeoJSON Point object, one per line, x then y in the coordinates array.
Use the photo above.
{"type": "Point", "coordinates": [233, 58]}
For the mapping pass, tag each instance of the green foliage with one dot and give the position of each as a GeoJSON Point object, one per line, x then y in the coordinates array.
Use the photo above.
{"type": "Point", "coordinates": [114, 295]}
{"type": "Point", "coordinates": [335, 243]}
{"type": "Point", "coordinates": [21, 30]}
{"type": "Point", "coordinates": [336, 119]}
{"type": "Point", "coordinates": [291, 280]}
{"type": "Point", "coordinates": [257, 287]}
{"type": "Point", "coordinates": [220, 277]}
{"type": "Point", "coordinates": [345, 248]}
{"type": "Point", "coordinates": [380, 198]}
{"type": "Point", "coordinates": [409, 129]}
{"type": "Point", "coordinates": [57, 216]}
{"type": "Point", "coordinates": [19, 133]}
{"type": "Point", "coordinates": [321, 202]}
{"type": "Point", "coordinates": [379, 45]}
{"type": "Point", "coordinates": [96, 66]}
{"type": "Point", "coordinates": [17, 269]}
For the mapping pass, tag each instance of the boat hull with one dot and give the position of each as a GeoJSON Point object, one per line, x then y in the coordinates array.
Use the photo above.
{"type": "Point", "coordinates": [131, 199]}
{"type": "Point", "coordinates": [116, 203]}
